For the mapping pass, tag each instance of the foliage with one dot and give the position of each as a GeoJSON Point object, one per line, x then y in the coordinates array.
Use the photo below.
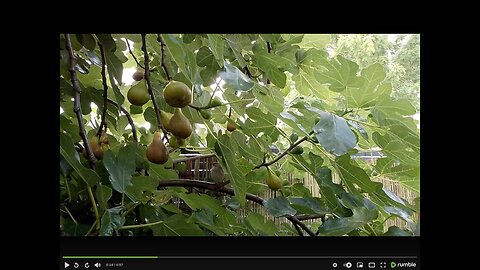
{"type": "Point", "coordinates": [270, 87]}
{"type": "Point", "coordinates": [400, 56]}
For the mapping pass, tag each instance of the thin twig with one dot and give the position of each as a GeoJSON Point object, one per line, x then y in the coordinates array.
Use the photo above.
{"type": "Point", "coordinates": [133, 55]}
{"type": "Point", "coordinates": [129, 118]}
{"type": "Point", "coordinates": [76, 102]}
{"type": "Point", "coordinates": [284, 152]}
{"type": "Point", "coordinates": [150, 89]}
{"type": "Point", "coordinates": [306, 217]}
{"type": "Point", "coordinates": [103, 123]}
{"type": "Point", "coordinates": [162, 46]}
{"type": "Point", "coordinates": [226, 190]}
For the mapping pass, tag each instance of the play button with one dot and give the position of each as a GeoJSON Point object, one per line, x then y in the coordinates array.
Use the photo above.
{"type": "Point", "coordinates": [66, 265]}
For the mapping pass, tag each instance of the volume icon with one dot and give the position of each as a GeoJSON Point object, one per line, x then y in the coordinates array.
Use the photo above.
{"type": "Point", "coordinates": [97, 265]}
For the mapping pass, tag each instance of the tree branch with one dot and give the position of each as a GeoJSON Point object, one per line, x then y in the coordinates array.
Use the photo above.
{"type": "Point", "coordinates": [300, 233]}
{"type": "Point", "coordinates": [149, 85]}
{"type": "Point", "coordinates": [162, 46]}
{"type": "Point", "coordinates": [76, 102]}
{"type": "Point", "coordinates": [133, 55]}
{"type": "Point", "coordinates": [129, 118]}
{"type": "Point", "coordinates": [103, 123]}
{"type": "Point", "coordinates": [226, 190]}
{"type": "Point", "coordinates": [269, 50]}
{"type": "Point", "coordinates": [284, 152]}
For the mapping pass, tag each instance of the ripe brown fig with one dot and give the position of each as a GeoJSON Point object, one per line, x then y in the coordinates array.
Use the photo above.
{"type": "Point", "coordinates": [273, 181]}
{"type": "Point", "coordinates": [138, 75]}
{"type": "Point", "coordinates": [177, 94]}
{"type": "Point", "coordinates": [165, 118]}
{"type": "Point", "coordinates": [156, 150]}
{"type": "Point", "coordinates": [179, 124]}
{"type": "Point", "coordinates": [104, 138]}
{"type": "Point", "coordinates": [231, 127]}
{"type": "Point", "coordinates": [138, 93]}
{"type": "Point", "coordinates": [98, 148]}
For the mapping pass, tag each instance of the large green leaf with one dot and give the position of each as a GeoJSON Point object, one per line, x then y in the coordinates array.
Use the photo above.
{"type": "Point", "coordinates": [351, 174]}
{"type": "Point", "coordinates": [330, 191]}
{"type": "Point", "coordinates": [394, 147]}
{"type": "Point", "coordinates": [205, 57]}
{"type": "Point", "coordinates": [202, 201]}
{"type": "Point", "coordinates": [140, 185]}
{"type": "Point", "coordinates": [260, 122]}
{"type": "Point", "coordinates": [259, 227]}
{"type": "Point", "coordinates": [235, 79]}
{"type": "Point", "coordinates": [176, 225]}
{"type": "Point", "coordinates": [342, 226]}
{"type": "Point", "coordinates": [368, 94]}
{"type": "Point", "coordinates": [103, 194]}
{"type": "Point", "coordinates": [227, 150]}
{"type": "Point", "coordinates": [308, 206]}
{"type": "Point", "coordinates": [279, 207]}
{"type": "Point", "coordinates": [67, 150]}
{"type": "Point", "coordinates": [317, 41]}
{"type": "Point", "coordinates": [114, 66]}
{"type": "Point", "coordinates": [250, 150]}
{"type": "Point", "coordinates": [294, 122]}
{"type": "Point", "coordinates": [396, 231]}
{"type": "Point", "coordinates": [111, 220]}
{"type": "Point", "coordinates": [161, 172]}
{"type": "Point", "coordinates": [178, 52]}
{"type": "Point", "coordinates": [270, 97]}
{"type": "Point", "coordinates": [120, 168]}
{"type": "Point", "coordinates": [237, 43]}
{"type": "Point", "coordinates": [273, 65]}
{"type": "Point", "coordinates": [340, 73]}
{"type": "Point", "coordinates": [385, 108]}
{"type": "Point", "coordinates": [217, 45]}
{"type": "Point", "coordinates": [334, 134]}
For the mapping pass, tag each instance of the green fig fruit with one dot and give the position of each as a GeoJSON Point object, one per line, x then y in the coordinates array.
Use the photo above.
{"type": "Point", "coordinates": [165, 118]}
{"type": "Point", "coordinates": [231, 127]}
{"type": "Point", "coordinates": [177, 94]}
{"type": "Point", "coordinates": [215, 102]}
{"type": "Point", "coordinates": [138, 93]}
{"type": "Point", "coordinates": [297, 150]}
{"type": "Point", "coordinates": [181, 167]}
{"type": "Point", "coordinates": [273, 181]}
{"type": "Point", "coordinates": [179, 124]}
{"type": "Point", "coordinates": [293, 137]}
{"type": "Point", "coordinates": [206, 114]}
{"type": "Point", "coordinates": [176, 142]}
{"type": "Point", "coordinates": [138, 75]}
{"type": "Point", "coordinates": [156, 151]}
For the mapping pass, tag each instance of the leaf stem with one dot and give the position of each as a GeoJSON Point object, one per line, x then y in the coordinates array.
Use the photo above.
{"type": "Point", "coordinates": [68, 190]}
{"type": "Point", "coordinates": [94, 204]}
{"type": "Point", "coordinates": [140, 225]}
